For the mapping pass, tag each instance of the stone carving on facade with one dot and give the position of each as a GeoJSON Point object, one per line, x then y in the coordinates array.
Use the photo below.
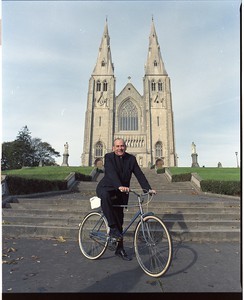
{"type": "Point", "coordinates": [134, 141]}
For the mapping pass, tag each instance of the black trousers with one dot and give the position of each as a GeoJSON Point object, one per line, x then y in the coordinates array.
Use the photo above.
{"type": "Point", "coordinates": [114, 215]}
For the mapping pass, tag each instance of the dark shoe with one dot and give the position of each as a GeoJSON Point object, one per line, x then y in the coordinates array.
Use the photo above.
{"type": "Point", "coordinates": [122, 254]}
{"type": "Point", "coordinates": [115, 234]}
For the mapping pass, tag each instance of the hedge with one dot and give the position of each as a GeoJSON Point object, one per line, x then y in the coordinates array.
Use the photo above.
{"type": "Point", "coordinates": [82, 177]}
{"type": "Point", "coordinates": [20, 186]}
{"type": "Point", "coordinates": [181, 177]}
{"type": "Point", "coordinates": [160, 170]}
{"type": "Point", "coordinates": [221, 187]}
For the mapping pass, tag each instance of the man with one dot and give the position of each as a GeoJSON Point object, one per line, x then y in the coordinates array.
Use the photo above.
{"type": "Point", "coordinates": [114, 188]}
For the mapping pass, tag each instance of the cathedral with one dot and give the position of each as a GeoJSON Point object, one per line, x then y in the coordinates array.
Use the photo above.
{"type": "Point", "coordinates": [145, 122]}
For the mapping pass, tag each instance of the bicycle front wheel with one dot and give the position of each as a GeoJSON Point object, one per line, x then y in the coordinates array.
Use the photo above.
{"type": "Point", "coordinates": [153, 247]}
{"type": "Point", "coordinates": [93, 235]}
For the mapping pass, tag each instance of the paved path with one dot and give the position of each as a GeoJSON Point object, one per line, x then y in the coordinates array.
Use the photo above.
{"type": "Point", "coordinates": [55, 266]}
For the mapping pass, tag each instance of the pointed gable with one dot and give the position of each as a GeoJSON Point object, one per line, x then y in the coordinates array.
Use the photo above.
{"type": "Point", "coordinates": [129, 90]}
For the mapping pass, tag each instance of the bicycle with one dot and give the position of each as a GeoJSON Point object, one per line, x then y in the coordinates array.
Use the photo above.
{"type": "Point", "coordinates": [152, 241]}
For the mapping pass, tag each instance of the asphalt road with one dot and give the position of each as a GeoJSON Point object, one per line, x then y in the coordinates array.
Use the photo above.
{"type": "Point", "coordinates": [57, 266]}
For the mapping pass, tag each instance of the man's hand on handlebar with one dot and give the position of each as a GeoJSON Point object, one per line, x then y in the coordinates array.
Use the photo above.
{"type": "Point", "coordinates": [152, 192]}
{"type": "Point", "coordinates": [124, 189]}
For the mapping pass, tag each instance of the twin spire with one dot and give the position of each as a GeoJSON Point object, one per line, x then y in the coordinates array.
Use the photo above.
{"type": "Point", "coordinates": [153, 66]}
{"type": "Point", "coordinates": [104, 65]}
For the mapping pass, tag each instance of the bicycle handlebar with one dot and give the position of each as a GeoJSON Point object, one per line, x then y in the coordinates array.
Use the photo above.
{"type": "Point", "coordinates": [145, 192]}
{"type": "Point", "coordinates": [139, 196]}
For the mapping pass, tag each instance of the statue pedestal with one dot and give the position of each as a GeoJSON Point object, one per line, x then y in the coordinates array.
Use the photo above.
{"type": "Point", "coordinates": [65, 160]}
{"type": "Point", "coordinates": [194, 161]}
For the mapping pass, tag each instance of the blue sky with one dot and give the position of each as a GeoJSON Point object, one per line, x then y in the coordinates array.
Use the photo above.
{"type": "Point", "coordinates": [50, 49]}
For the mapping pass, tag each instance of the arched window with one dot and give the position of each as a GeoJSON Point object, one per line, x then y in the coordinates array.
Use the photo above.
{"type": "Point", "coordinates": [159, 149]}
{"type": "Point", "coordinates": [128, 116]}
{"type": "Point", "coordinates": [105, 86]}
{"type": "Point", "coordinates": [98, 86]}
{"type": "Point", "coordinates": [155, 63]}
{"type": "Point", "coordinates": [160, 85]}
{"type": "Point", "coordinates": [153, 85]}
{"type": "Point", "coordinates": [99, 150]}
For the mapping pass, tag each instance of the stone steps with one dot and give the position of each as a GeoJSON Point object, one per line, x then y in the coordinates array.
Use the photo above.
{"type": "Point", "coordinates": [199, 235]}
{"type": "Point", "coordinates": [78, 204]}
{"type": "Point", "coordinates": [158, 201]}
{"type": "Point", "coordinates": [188, 214]}
{"type": "Point", "coordinates": [10, 215]}
{"type": "Point", "coordinates": [159, 182]}
{"type": "Point", "coordinates": [198, 219]}
{"type": "Point", "coordinates": [75, 220]}
{"type": "Point", "coordinates": [165, 210]}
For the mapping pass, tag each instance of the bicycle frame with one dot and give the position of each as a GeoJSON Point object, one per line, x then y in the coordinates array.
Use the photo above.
{"type": "Point", "coordinates": [137, 214]}
{"type": "Point", "coordinates": [96, 233]}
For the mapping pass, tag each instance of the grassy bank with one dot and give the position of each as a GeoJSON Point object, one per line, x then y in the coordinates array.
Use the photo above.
{"type": "Point", "coordinates": [222, 174]}
{"type": "Point", "coordinates": [60, 173]}
{"type": "Point", "coordinates": [225, 181]}
{"type": "Point", "coordinates": [48, 173]}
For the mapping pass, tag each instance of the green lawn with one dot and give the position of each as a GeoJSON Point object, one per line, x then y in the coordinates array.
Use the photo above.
{"type": "Point", "coordinates": [223, 174]}
{"type": "Point", "coordinates": [60, 173]}
{"type": "Point", "coordinates": [48, 173]}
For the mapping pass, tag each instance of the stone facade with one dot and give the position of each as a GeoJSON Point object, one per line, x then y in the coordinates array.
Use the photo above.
{"type": "Point", "coordinates": [145, 121]}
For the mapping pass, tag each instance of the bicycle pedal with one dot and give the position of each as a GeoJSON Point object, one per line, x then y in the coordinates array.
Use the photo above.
{"type": "Point", "coordinates": [112, 245]}
{"type": "Point", "coordinates": [113, 240]}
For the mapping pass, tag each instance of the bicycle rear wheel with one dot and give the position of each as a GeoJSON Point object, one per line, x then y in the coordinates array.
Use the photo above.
{"type": "Point", "coordinates": [153, 247]}
{"type": "Point", "coordinates": [93, 235]}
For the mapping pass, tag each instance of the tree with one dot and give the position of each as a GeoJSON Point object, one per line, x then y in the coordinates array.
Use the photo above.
{"type": "Point", "coordinates": [43, 152]}
{"type": "Point", "coordinates": [24, 145]}
{"type": "Point", "coordinates": [26, 151]}
{"type": "Point", "coordinates": [10, 157]}
{"type": "Point", "coordinates": [24, 135]}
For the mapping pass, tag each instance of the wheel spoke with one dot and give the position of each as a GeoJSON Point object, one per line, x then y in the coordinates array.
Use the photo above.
{"type": "Point", "coordinates": [153, 246]}
{"type": "Point", "coordinates": [92, 237]}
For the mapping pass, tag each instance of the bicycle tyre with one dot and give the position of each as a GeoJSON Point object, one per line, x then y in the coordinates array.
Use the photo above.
{"type": "Point", "coordinates": [153, 254]}
{"type": "Point", "coordinates": [93, 235]}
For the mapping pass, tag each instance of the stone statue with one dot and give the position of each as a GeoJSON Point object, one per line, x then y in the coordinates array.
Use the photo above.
{"type": "Point", "coordinates": [194, 156]}
{"type": "Point", "coordinates": [193, 148]}
{"type": "Point", "coordinates": [65, 155]}
{"type": "Point", "coordinates": [66, 148]}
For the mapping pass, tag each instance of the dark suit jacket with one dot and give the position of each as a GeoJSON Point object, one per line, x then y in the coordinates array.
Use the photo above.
{"type": "Point", "coordinates": [114, 178]}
